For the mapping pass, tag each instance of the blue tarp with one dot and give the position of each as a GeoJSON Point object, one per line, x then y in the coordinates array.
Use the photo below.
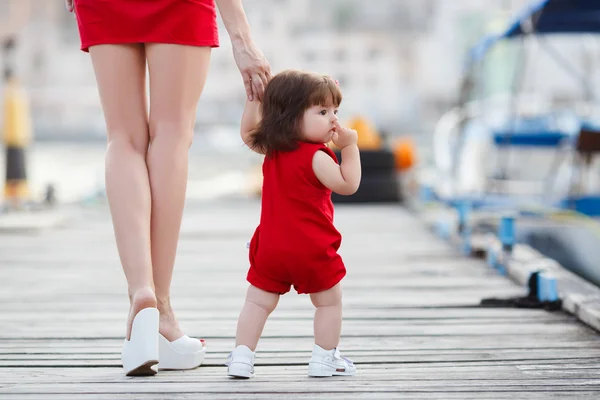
{"type": "Point", "coordinates": [546, 17]}
{"type": "Point", "coordinates": [559, 16]}
{"type": "Point", "coordinates": [529, 139]}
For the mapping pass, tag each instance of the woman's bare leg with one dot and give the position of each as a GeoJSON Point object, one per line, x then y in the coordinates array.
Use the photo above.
{"type": "Point", "coordinates": [120, 74]}
{"type": "Point", "coordinates": [177, 77]}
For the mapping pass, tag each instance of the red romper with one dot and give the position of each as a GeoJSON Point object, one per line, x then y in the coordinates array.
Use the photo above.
{"type": "Point", "coordinates": [186, 22]}
{"type": "Point", "coordinates": [295, 242]}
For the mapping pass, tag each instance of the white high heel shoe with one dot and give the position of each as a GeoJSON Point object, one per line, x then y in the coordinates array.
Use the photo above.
{"type": "Point", "coordinates": [140, 352]}
{"type": "Point", "coordinates": [182, 353]}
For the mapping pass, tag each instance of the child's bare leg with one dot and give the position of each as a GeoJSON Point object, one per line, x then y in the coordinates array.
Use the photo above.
{"type": "Point", "coordinates": [328, 317]}
{"type": "Point", "coordinates": [325, 361]}
{"type": "Point", "coordinates": [257, 308]}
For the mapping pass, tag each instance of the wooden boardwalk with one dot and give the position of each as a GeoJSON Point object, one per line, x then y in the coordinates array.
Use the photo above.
{"type": "Point", "coordinates": [412, 322]}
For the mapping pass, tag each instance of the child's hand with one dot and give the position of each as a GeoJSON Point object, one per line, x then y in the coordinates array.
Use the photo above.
{"type": "Point", "coordinates": [250, 120]}
{"type": "Point", "coordinates": [344, 137]}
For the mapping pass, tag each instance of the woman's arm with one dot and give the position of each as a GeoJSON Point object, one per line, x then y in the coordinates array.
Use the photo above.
{"type": "Point", "coordinates": [251, 62]}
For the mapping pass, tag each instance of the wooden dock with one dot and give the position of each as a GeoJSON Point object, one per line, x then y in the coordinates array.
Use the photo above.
{"type": "Point", "coordinates": [412, 321]}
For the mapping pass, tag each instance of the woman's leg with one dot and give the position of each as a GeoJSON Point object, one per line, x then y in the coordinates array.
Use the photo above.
{"type": "Point", "coordinates": [120, 74]}
{"type": "Point", "coordinates": [177, 77]}
{"type": "Point", "coordinates": [328, 317]}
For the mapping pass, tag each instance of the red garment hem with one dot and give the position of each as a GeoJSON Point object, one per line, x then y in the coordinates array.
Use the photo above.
{"type": "Point", "coordinates": [205, 43]}
{"type": "Point", "coordinates": [281, 288]}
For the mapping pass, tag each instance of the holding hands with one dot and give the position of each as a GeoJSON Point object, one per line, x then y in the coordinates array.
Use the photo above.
{"type": "Point", "coordinates": [253, 66]}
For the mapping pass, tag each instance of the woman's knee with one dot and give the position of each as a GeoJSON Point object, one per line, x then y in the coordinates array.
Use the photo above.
{"type": "Point", "coordinates": [179, 133]}
{"type": "Point", "coordinates": [121, 86]}
{"type": "Point", "coordinates": [132, 138]}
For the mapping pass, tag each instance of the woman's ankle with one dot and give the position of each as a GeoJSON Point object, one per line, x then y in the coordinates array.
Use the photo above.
{"type": "Point", "coordinates": [168, 324]}
{"type": "Point", "coordinates": [141, 298]}
{"type": "Point", "coordinates": [164, 305]}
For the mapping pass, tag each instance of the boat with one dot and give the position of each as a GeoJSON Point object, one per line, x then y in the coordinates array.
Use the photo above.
{"type": "Point", "coordinates": [519, 153]}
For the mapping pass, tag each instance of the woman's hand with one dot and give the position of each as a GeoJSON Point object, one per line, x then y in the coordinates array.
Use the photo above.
{"type": "Point", "coordinates": [253, 66]}
{"type": "Point", "coordinates": [69, 5]}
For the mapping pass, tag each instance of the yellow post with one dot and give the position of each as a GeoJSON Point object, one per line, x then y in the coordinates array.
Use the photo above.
{"type": "Point", "coordinates": [368, 137]}
{"type": "Point", "coordinates": [17, 136]}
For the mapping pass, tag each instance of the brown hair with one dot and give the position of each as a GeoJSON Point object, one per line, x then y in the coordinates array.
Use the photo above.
{"type": "Point", "coordinates": [287, 95]}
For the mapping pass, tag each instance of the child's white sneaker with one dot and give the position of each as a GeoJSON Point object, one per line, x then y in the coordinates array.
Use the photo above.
{"type": "Point", "coordinates": [329, 363]}
{"type": "Point", "coordinates": [240, 362]}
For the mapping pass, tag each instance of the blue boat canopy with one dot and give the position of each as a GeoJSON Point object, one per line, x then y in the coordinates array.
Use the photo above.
{"type": "Point", "coordinates": [540, 17]}
{"type": "Point", "coordinates": [546, 17]}
{"type": "Point", "coordinates": [558, 16]}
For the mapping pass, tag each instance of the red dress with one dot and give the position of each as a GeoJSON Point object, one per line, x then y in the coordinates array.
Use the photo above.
{"type": "Point", "coordinates": [296, 242]}
{"type": "Point", "coordinates": [186, 22]}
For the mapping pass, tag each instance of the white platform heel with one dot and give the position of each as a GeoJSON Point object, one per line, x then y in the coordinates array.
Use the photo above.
{"type": "Point", "coordinates": [182, 353]}
{"type": "Point", "coordinates": [140, 352]}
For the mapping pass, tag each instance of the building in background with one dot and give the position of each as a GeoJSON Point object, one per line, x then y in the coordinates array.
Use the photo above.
{"type": "Point", "coordinates": [398, 61]}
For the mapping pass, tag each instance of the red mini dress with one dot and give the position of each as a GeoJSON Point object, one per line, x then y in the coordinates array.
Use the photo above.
{"type": "Point", "coordinates": [186, 22]}
{"type": "Point", "coordinates": [296, 242]}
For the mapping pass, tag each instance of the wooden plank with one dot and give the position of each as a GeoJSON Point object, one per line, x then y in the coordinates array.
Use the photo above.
{"type": "Point", "coordinates": [388, 373]}
{"type": "Point", "coordinates": [278, 328]}
{"type": "Point", "coordinates": [349, 387]}
{"type": "Point", "coordinates": [364, 343]}
{"type": "Point", "coordinates": [216, 359]}
{"type": "Point", "coordinates": [301, 311]}
{"type": "Point", "coordinates": [412, 322]}
{"type": "Point", "coordinates": [389, 395]}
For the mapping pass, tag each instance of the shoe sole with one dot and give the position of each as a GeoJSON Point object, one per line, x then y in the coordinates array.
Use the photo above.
{"type": "Point", "coordinates": [238, 370]}
{"type": "Point", "coordinates": [185, 362]}
{"type": "Point", "coordinates": [320, 373]}
{"type": "Point", "coordinates": [144, 369]}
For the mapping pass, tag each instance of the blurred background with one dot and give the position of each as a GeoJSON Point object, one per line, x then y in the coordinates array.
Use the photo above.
{"type": "Point", "coordinates": [478, 119]}
{"type": "Point", "coordinates": [399, 63]}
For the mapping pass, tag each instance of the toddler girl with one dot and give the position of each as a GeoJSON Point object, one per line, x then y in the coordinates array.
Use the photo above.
{"type": "Point", "coordinates": [296, 242]}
